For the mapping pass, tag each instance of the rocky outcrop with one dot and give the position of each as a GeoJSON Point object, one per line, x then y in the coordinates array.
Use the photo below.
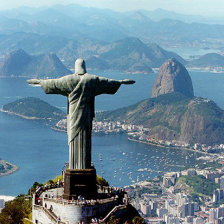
{"type": "Point", "coordinates": [19, 63]}
{"type": "Point", "coordinates": [173, 113]}
{"type": "Point", "coordinates": [173, 77]}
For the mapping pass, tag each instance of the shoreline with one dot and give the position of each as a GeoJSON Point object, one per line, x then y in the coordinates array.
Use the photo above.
{"type": "Point", "coordinates": [169, 147]}
{"type": "Point", "coordinates": [20, 115]}
{"type": "Point", "coordinates": [11, 171]}
{"type": "Point", "coordinates": [131, 139]}
{"type": "Point", "coordinates": [58, 129]}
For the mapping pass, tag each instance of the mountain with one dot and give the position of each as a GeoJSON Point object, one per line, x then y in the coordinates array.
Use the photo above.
{"type": "Point", "coordinates": [127, 55]}
{"type": "Point", "coordinates": [74, 21]}
{"type": "Point", "coordinates": [173, 77]}
{"type": "Point", "coordinates": [97, 63]}
{"type": "Point", "coordinates": [34, 108]}
{"type": "Point", "coordinates": [131, 54]}
{"type": "Point", "coordinates": [208, 60]}
{"type": "Point", "coordinates": [67, 49]}
{"type": "Point", "coordinates": [176, 117]}
{"type": "Point", "coordinates": [19, 63]}
{"type": "Point", "coordinates": [171, 115]}
{"type": "Point", "coordinates": [71, 21]}
{"type": "Point", "coordinates": [160, 14]}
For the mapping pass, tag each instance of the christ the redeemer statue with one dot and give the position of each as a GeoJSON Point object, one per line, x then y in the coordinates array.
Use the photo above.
{"type": "Point", "coordinates": [80, 88]}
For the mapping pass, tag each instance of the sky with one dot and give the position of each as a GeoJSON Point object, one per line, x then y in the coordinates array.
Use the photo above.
{"type": "Point", "coordinates": [212, 8]}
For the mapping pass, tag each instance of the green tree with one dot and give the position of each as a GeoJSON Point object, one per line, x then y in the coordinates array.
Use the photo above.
{"type": "Point", "coordinates": [16, 210]}
{"type": "Point", "coordinates": [138, 220]}
{"type": "Point", "coordinates": [113, 220]}
{"type": "Point", "coordinates": [34, 187]}
{"type": "Point", "coordinates": [101, 181]}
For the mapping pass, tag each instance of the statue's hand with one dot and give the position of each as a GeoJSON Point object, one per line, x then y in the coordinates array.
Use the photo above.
{"type": "Point", "coordinates": [34, 81]}
{"type": "Point", "coordinates": [127, 81]}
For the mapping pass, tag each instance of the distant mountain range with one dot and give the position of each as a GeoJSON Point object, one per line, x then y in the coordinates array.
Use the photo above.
{"type": "Point", "coordinates": [132, 55]}
{"type": "Point", "coordinates": [127, 55]}
{"type": "Point", "coordinates": [19, 63]}
{"type": "Point", "coordinates": [76, 22]}
{"type": "Point", "coordinates": [108, 40]}
{"type": "Point", "coordinates": [208, 60]}
{"type": "Point", "coordinates": [161, 14]}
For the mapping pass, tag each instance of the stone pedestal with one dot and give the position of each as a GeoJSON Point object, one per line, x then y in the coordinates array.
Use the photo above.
{"type": "Point", "coordinates": [80, 182]}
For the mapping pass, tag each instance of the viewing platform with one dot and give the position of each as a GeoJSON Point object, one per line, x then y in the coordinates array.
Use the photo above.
{"type": "Point", "coordinates": [50, 207]}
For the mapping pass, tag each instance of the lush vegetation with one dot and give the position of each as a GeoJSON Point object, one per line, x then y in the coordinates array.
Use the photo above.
{"type": "Point", "coordinates": [146, 190]}
{"type": "Point", "coordinates": [199, 184]}
{"type": "Point", "coordinates": [34, 107]}
{"type": "Point", "coordinates": [174, 117]}
{"type": "Point", "coordinates": [101, 181]}
{"type": "Point", "coordinates": [131, 216]}
{"type": "Point", "coordinates": [209, 165]}
{"type": "Point", "coordinates": [16, 210]}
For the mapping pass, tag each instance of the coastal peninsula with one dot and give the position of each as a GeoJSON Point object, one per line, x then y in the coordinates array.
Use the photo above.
{"type": "Point", "coordinates": [173, 116]}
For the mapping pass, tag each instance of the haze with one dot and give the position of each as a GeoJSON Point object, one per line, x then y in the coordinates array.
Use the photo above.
{"type": "Point", "coordinates": [197, 7]}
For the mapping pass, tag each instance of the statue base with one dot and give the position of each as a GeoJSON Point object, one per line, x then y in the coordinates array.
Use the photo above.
{"type": "Point", "coordinates": [80, 182]}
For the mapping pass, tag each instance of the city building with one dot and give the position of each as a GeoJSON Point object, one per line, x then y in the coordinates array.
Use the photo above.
{"type": "Point", "coordinates": [169, 179]}
{"type": "Point", "coordinates": [2, 204]}
{"type": "Point", "coordinates": [218, 195]}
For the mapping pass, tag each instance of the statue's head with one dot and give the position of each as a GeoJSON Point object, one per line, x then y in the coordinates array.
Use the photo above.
{"type": "Point", "coordinates": [80, 67]}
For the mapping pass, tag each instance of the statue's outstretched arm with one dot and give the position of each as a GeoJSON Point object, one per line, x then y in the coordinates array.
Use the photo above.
{"type": "Point", "coordinates": [127, 81]}
{"type": "Point", "coordinates": [54, 86]}
{"type": "Point", "coordinates": [109, 86]}
{"type": "Point", "coordinates": [34, 81]}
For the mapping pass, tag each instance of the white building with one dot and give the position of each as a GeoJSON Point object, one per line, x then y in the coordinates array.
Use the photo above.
{"type": "Point", "coordinates": [2, 204]}
{"type": "Point", "coordinates": [170, 219]}
{"type": "Point", "coordinates": [199, 220]}
{"type": "Point", "coordinates": [161, 212]}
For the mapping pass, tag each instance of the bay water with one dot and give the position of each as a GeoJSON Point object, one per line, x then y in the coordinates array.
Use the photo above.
{"type": "Point", "coordinates": [40, 152]}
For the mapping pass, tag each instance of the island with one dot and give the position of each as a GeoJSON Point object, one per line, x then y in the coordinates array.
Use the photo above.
{"type": "Point", "coordinates": [34, 109]}
{"type": "Point", "coordinates": [7, 168]}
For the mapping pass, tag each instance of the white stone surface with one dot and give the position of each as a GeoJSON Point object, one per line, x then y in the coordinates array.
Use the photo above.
{"type": "Point", "coordinates": [70, 213]}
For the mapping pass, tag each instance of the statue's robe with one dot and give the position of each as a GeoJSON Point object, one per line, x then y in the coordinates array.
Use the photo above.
{"type": "Point", "coordinates": [81, 91]}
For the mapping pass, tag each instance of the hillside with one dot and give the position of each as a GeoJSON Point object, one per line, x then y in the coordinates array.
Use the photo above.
{"type": "Point", "coordinates": [132, 52]}
{"type": "Point", "coordinates": [174, 117]}
{"type": "Point", "coordinates": [208, 60]}
{"type": "Point", "coordinates": [34, 108]}
{"type": "Point", "coordinates": [126, 55]}
{"type": "Point", "coordinates": [19, 63]}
